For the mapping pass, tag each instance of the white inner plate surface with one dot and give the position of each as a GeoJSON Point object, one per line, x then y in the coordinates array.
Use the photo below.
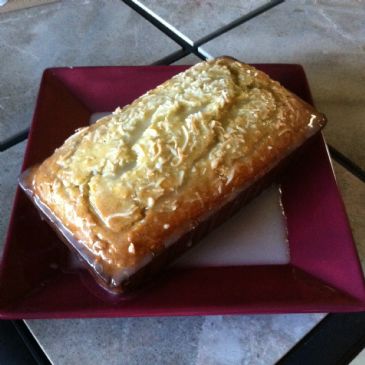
{"type": "Point", "coordinates": [254, 236]}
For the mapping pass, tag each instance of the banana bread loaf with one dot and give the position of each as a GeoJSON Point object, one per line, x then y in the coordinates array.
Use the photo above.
{"type": "Point", "coordinates": [124, 190]}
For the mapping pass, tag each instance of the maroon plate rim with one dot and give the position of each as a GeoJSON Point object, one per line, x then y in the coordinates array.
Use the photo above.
{"type": "Point", "coordinates": [324, 274]}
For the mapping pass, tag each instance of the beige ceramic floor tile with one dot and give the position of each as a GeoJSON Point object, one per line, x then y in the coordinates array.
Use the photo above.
{"type": "Point", "coordinates": [325, 36]}
{"type": "Point", "coordinates": [12, 5]}
{"type": "Point", "coordinates": [228, 340]}
{"type": "Point", "coordinates": [10, 163]}
{"type": "Point", "coordinates": [353, 195]}
{"type": "Point", "coordinates": [256, 340]}
{"type": "Point", "coordinates": [67, 33]}
{"type": "Point", "coordinates": [196, 18]}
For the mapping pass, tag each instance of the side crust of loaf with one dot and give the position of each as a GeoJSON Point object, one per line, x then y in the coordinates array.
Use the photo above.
{"type": "Point", "coordinates": [126, 189]}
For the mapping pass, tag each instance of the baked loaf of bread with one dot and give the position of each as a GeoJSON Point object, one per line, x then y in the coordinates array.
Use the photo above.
{"type": "Point", "coordinates": [125, 190]}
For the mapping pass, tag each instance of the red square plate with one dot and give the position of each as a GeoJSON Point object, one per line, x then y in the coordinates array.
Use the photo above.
{"type": "Point", "coordinates": [36, 280]}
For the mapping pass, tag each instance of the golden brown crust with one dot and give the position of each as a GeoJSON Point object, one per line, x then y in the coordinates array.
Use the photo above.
{"type": "Point", "coordinates": [131, 184]}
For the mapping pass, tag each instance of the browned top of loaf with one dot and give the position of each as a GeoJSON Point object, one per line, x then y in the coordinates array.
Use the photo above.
{"type": "Point", "coordinates": [128, 185]}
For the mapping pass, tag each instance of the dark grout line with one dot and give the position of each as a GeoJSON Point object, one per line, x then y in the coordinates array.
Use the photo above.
{"type": "Point", "coordinates": [12, 141]}
{"type": "Point", "coordinates": [31, 343]}
{"type": "Point", "coordinates": [237, 22]}
{"type": "Point", "coordinates": [336, 339]}
{"type": "Point", "coordinates": [347, 163]}
{"type": "Point", "coordinates": [173, 57]}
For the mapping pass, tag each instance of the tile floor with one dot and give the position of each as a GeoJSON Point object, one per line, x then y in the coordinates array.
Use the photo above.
{"type": "Point", "coordinates": [325, 36]}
